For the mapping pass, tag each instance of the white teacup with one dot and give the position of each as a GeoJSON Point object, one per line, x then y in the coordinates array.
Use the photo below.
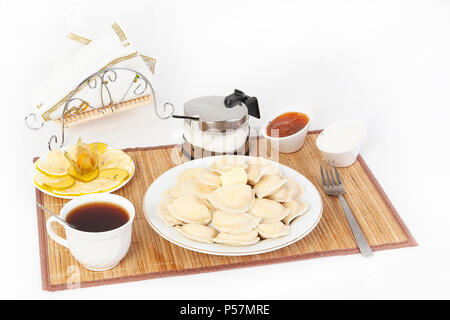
{"type": "Point", "coordinates": [97, 251]}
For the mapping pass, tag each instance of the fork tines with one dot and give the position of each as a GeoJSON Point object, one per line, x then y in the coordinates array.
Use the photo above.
{"type": "Point", "coordinates": [328, 168]}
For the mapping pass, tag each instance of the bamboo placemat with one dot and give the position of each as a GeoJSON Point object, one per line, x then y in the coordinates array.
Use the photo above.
{"type": "Point", "coordinates": [151, 256]}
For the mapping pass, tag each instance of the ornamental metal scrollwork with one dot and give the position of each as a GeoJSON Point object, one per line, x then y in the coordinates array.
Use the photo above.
{"type": "Point", "coordinates": [102, 80]}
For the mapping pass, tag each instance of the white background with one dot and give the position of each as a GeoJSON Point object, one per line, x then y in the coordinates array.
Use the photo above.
{"type": "Point", "coordinates": [384, 62]}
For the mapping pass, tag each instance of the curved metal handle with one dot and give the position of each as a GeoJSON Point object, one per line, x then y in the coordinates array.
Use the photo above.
{"type": "Point", "coordinates": [165, 107]}
{"type": "Point", "coordinates": [34, 119]}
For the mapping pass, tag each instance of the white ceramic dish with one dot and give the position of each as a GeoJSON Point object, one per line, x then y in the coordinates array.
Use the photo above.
{"type": "Point", "coordinates": [290, 143]}
{"type": "Point", "coordinates": [347, 156]}
{"type": "Point", "coordinates": [300, 227]}
{"type": "Point", "coordinates": [35, 171]}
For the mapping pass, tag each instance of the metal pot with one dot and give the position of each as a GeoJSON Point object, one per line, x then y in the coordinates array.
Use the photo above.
{"type": "Point", "coordinates": [218, 125]}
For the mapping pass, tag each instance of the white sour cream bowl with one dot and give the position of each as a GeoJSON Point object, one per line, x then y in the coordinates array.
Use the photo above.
{"type": "Point", "coordinates": [340, 142]}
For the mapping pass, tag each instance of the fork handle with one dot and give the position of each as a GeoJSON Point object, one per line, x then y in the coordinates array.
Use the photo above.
{"type": "Point", "coordinates": [357, 232]}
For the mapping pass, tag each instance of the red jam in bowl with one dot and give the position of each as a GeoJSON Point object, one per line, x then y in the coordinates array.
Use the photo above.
{"type": "Point", "coordinates": [287, 124]}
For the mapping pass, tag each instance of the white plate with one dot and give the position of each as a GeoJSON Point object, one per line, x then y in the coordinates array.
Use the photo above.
{"type": "Point", "coordinates": [35, 171]}
{"type": "Point", "coordinates": [300, 227]}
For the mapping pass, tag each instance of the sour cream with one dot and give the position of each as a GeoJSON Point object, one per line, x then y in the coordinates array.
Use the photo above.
{"type": "Point", "coordinates": [341, 142]}
{"type": "Point", "coordinates": [342, 137]}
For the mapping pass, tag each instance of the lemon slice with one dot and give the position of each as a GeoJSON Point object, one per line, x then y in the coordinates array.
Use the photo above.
{"type": "Point", "coordinates": [125, 165]}
{"type": "Point", "coordinates": [101, 147]}
{"type": "Point", "coordinates": [83, 178]}
{"type": "Point", "coordinates": [74, 190]}
{"type": "Point", "coordinates": [110, 158]}
{"type": "Point", "coordinates": [114, 162]}
{"type": "Point", "coordinates": [94, 186]}
{"type": "Point", "coordinates": [112, 153]}
{"type": "Point", "coordinates": [114, 173]}
{"type": "Point", "coordinates": [53, 183]}
{"type": "Point", "coordinates": [55, 165]}
{"type": "Point", "coordinates": [38, 181]}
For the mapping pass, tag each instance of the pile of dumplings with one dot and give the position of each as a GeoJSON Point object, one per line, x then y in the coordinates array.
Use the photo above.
{"type": "Point", "coordinates": [233, 203]}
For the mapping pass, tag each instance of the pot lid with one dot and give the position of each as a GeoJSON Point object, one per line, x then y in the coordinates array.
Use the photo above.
{"type": "Point", "coordinates": [220, 113]}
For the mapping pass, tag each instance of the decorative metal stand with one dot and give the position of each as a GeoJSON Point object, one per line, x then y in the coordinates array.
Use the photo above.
{"type": "Point", "coordinates": [76, 107]}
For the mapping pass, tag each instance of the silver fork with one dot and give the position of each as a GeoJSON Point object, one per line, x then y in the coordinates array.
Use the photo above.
{"type": "Point", "coordinates": [334, 187]}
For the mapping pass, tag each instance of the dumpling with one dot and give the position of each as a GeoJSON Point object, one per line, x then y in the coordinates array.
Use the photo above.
{"type": "Point", "coordinates": [166, 195]}
{"type": "Point", "coordinates": [197, 232]}
{"type": "Point", "coordinates": [268, 185]}
{"type": "Point", "coordinates": [286, 193]}
{"type": "Point", "coordinates": [272, 230]}
{"type": "Point", "coordinates": [190, 209]}
{"type": "Point", "coordinates": [255, 173]}
{"type": "Point", "coordinates": [300, 191]}
{"type": "Point", "coordinates": [163, 212]}
{"type": "Point", "coordinates": [237, 239]}
{"type": "Point", "coordinates": [178, 190]}
{"type": "Point", "coordinates": [210, 178]}
{"type": "Point", "coordinates": [189, 174]}
{"type": "Point", "coordinates": [234, 222]}
{"type": "Point", "coordinates": [208, 205]}
{"type": "Point", "coordinates": [268, 210]}
{"type": "Point", "coordinates": [236, 198]}
{"type": "Point", "coordinates": [196, 188]}
{"type": "Point", "coordinates": [258, 167]}
{"type": "Point", "coordinates": [227, 163]}
{"type": "Point", "coordinates": [237, 175]}
{"type": "Point", "coordinates": [296, 208]}
{"type": "Point", "coordinates": [264, 162]}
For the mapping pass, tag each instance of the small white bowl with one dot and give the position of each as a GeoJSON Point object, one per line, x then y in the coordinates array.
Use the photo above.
{"type": "Point", "coordinates": [290, 143]}
{"type": "Point", "coordinates": [347, 156]}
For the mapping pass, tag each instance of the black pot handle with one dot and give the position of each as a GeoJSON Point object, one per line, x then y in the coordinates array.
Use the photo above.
{"type": "Point", "coordinates": [239, 97]}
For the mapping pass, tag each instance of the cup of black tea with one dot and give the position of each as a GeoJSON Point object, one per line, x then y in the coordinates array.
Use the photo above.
{"type": "Point", "coordinates": [99, 234]}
